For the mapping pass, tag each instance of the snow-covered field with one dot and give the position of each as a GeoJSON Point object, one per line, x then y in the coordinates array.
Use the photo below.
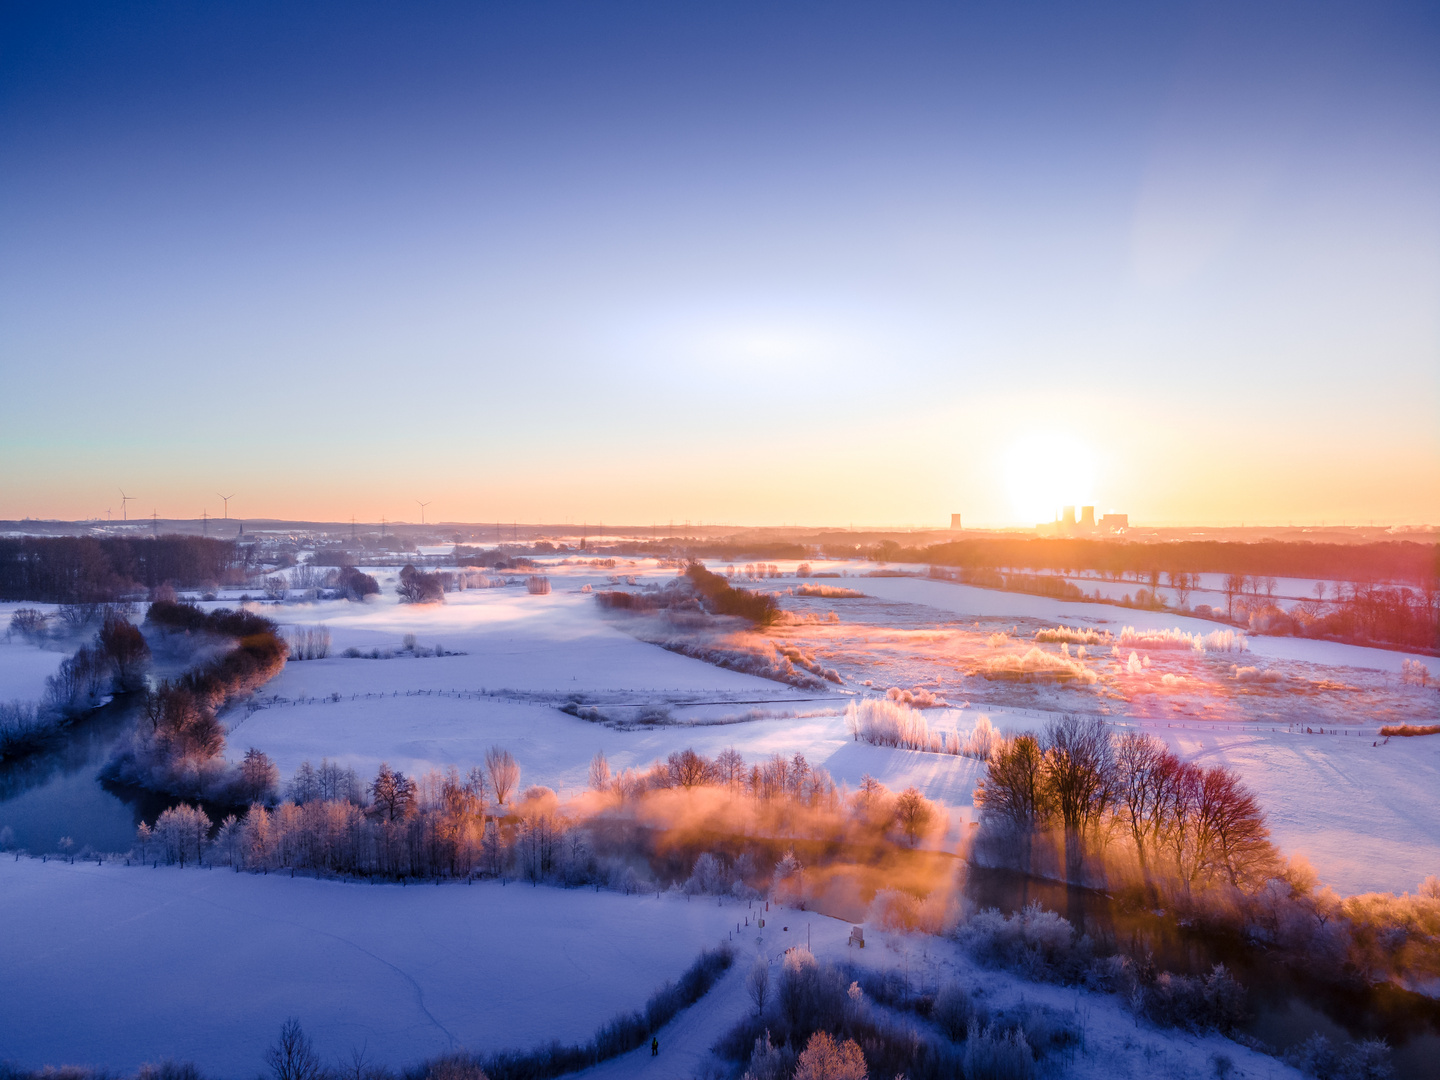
{"type": "Point", "coordinates": [1364, 814]}
{"type": "Point", "coordinates": [124, 965]}
{"type": "Point", "coordinates": [407, 972]}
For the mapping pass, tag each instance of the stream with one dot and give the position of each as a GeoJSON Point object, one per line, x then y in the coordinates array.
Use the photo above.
{"type": "Point", "coordinates": [55, 793]}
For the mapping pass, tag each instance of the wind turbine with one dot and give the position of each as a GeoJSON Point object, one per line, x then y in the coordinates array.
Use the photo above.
{"type": "Point", "coordinates": [226, 500]}
{"type": "Point", "coordinates": [125, 515]}
{"type": "Point", "coordinates": [422, 510]}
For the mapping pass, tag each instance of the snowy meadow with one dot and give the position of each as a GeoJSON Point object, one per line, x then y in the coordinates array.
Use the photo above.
{"type": "Point", "coordinates": [491, 817]}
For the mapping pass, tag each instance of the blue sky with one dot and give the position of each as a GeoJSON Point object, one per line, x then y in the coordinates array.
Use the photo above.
{"type": "Point", "coordinates": [767, 263]}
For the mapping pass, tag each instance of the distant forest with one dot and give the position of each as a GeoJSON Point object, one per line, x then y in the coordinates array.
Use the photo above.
{"type": "Point", "coordinates": [1397, 560]}
{"type": "Point", "coordinates": [90, 570]}
{"type": "Point", "coordinates": [1402, 561]}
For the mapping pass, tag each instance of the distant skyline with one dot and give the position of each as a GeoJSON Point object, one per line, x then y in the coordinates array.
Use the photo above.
{"type": "Point", "coordinates": [752, 263]}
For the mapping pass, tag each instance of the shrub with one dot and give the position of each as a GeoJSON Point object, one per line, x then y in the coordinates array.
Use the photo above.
{"type": "Point", "coordinates": [953, 1011]}
{"type": "Point", "coordinates": [28, 622]}
{"type": "Point", "coordinates": [997, 1055]}
{"type": "Point", "coordinates": [309, 643]}
{"type": "Point", "coordinates": [1404, 730]}
{"type": "Point", "coordinates": [418, 587]}
{"type": "Point", "coordinates": [537, 585]}
{"type": "Point", "coordinates": [1196, 1003]}
{"type": "Point", "coordinates": [355, 584]}
{"type": "Point", "coordinates": [1318, 1057]}
{"type": "Point", "coordinates": [828, 592]}
{"type": "Point", "coordinates": [1067, 635]}
{"type": "Point", "coordinates": [1037, 665]}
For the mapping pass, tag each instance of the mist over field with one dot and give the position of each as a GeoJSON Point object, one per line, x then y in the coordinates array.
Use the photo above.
{"type": "Point", "coordinates": [719, 542]}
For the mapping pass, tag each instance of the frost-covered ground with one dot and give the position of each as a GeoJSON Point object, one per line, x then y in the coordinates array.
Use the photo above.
{"type": "Point", "coordinates": [1364, 814]}
{"type": "Point", "coordinates": [24, 666]}
{"type": "Point", "coordinates": [124, 965]}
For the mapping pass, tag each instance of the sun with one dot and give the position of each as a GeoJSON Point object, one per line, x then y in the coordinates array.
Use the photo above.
{"type": "Point", "coordinates": [1046, 472]}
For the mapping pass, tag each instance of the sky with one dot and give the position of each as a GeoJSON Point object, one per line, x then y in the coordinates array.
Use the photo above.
{"type": "Point", "coordinates": [815, 263]}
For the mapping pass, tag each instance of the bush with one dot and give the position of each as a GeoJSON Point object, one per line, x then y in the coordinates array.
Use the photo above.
{"type": "Point", "coordinates": [997, 1055]}
{"type": "Point", "coordinates": [355, 584]}
{"type": "Point", "coordinates": [1196, 1003]}
{"type": "Point", "coordinates": [953, 1011]}
{"type": "Point", "coordinates": [30, 623]}
{"type": "Point", "coordinates": [418, 587]}
{"type": "Point", "coordinates": [1318, 1057]}
{"type": "Point", "coordinates": [1038, 942]}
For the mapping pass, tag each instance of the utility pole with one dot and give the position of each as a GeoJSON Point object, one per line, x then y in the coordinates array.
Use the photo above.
{"type": "Point", "coordinates": [155, 522]}
{"type": "Point", "coordinates": [205, 522]}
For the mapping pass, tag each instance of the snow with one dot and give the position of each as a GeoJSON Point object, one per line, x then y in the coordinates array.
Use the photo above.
{"type": "Point", "coordinates": [24, 667]}
{"type": "Point", "coordinates": [122, 965]}
{"type": "Point", "coordinates": [970, 600]}
{"type": "Point", "coordinates": [1364, 815]}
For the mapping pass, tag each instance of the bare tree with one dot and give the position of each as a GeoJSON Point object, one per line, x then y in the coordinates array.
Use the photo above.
{"type": "Point", "coordinates": [730, 767]}
{"type": "Point", "coordinates": [599, 772]}
{"type": "Point", "coordinates": [292, 1057]}
{"type": "Point", "coordinates": [1142, 764]}
{"type": "Point", "coordinates": [394, 794]}
{"type": "Point", "coordinates": [757, 983]}
{"type": "Point", "coordinates": [1180, 582]}
{"type": "Point", "coordinates": [688, 769]}
{"type": "Point", "coordinates": [913, 813]}
{"type": "Point", "coordinates": [1013, 788]}
{"type": "Point", "coordinates": [1237, 843]}
{"type": "Point", "coordinates": [1234, 586]}
{"type": "Point", "coordinates": [504, 773]}
{"type": "Point", "coordinates": [258, 776]}
{"type": "Point", "coordinates": [1081, 777]}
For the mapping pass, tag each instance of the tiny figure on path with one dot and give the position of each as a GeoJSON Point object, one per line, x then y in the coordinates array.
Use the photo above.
{"type": "Point", "coordinates": [654, 1047]}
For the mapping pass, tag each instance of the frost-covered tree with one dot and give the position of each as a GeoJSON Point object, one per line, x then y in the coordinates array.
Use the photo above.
{"type": "Point", "coordinates": [183, 832]}
{"type": "Point", "coordinates": [824, 1059]}
{"type": "Point", "coordinates": [259, 776]}
{"type": "Point", "coordinates": [504, 772]}
{"type": "Point", "coordinates": [913, 813]}
{"type": "Point", "coordinates": [599, 772]}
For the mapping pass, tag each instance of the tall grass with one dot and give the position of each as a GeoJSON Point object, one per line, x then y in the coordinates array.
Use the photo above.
{"type": "Point", "coordinates": [889, 722]}
{"type": "Point", "coordinates": [1037, 665]}
{"type": "Point", "coordinates": [1215, 641]}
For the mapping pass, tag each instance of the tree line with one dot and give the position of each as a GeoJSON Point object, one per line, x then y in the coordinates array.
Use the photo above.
{"type": "Point", "coordinates": [88, 569]}
{"type": "Point", "coordinates": [1404, 561]}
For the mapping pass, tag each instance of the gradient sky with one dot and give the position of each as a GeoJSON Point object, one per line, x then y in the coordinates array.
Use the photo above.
{"type": "Point", "coordinates": [767, 263]}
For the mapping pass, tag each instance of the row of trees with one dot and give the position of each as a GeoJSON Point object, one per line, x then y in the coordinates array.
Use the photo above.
{"type": "Point", "coordinates": [1392, 560]}
{"type": "Point", "coordinates": [450, 824]}
{"type": "Point", "coordinates": [1182, 822]}
{"type": "Point", "coordinates": [84, 569]}
{"type": "Point", "coordinates": [179, 744]}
